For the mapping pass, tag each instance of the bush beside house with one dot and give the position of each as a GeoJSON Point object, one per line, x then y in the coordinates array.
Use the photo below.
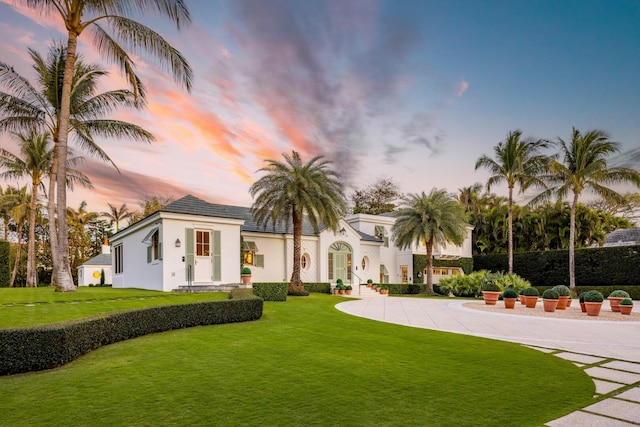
{"type": "Point", "coordinates": [5, 274]}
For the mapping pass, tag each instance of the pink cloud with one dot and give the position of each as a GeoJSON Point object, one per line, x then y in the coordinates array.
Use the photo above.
{"type": "Point", "coordinates": [461, 88]}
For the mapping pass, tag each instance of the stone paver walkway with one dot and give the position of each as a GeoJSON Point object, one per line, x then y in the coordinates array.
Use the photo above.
{"type": "Point", "coordinates": [609, 352]}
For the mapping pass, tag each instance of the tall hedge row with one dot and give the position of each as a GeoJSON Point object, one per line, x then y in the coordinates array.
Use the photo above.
{"type": "Point", "coordinates": [420, 263]}
{"type": "Point", "coordinates": [607, 266]}
{"type": "Point", "coordinates": [4, 264]}
{"type": "Point", "coordinates": [271, 291]}
{"type": "Point", "coordinates": [48, 346]}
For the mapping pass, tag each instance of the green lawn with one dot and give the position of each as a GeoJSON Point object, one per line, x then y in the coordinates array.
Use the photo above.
{"type": "Point", "coordinates": [304, 363]}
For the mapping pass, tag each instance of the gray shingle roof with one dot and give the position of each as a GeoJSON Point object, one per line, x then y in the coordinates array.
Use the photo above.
{"type": "Point", "coordinates": [627, 236]}
{"type": "Point", "coordinates": [102, 259]}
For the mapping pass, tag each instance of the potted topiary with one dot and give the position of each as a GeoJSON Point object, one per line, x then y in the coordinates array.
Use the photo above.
{"type": "Point", "coordinates": [564, 294]}
{"type": "Point", "coordinates": [531, 296]}
{"type": "Point", "coordinates": [550, 300]}
{"type": "Point", "coordinates": [615, 297]}
{"type": "Point", "coordinates": [593, 302]}
{"type": "Point", "coordinates": [490, 292]}
{"type": "Point", "coordinates": [369, 283]}
{"type": "Point", "coordinates": [523, 298]}
{"type": "Point", "coordinates": [581, 301]}
{"type": "Point", "coordinates": [348, 289]}
{"type": "Point", "coordinates": [384, 290]}
{"type": "Point", "coordinates": [245, 274]}
{"type": "Point", "coordinates": [626, 305]}
{"type": "Point", "coordinates": [509, 296]}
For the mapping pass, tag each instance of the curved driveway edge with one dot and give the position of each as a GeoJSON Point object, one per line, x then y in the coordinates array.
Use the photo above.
{"type": "Point", "coordinates": [616, 340]}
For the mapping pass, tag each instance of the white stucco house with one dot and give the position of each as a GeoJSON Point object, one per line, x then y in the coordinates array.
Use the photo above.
{"type": "Point", "coordinates": [191, 242]}
{"type": "Point", "coordinates": [89, 273]}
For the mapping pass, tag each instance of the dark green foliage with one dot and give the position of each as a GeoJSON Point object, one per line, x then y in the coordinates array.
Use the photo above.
{"type": "Point", "coordinates": [491, 286]}
{"type": "Point", "coordinates": [403, 288]}
{"type": "Point", "coordinates": [593, 296]}
{"type": "Point", "coordinates": [321, 287]}
{"type": "Point", "coordinates": [245, 270]}
{"type": "Point", "coordinates": [48, 346]}
{"type": "Point", "coordinates": [619, 293]}
{"type": "Point", "coordinates": [633, 291]}
{"type": "Point", "coordinates": [626, 301]}
{"type": "Point", "coordinates": [562, 290]}
{"type": "Point", "coordinates": [530, 292]}
{"type": "Point", "coordinates": [271, 291]}
{"type": "Point", "coordinates": [581, 297]}
{"type": "Point", "coordinates": [102, 277]}
{"type": "Point", "coordinates": [420, 263]}
{"type": "Point", "coordinates": [510, 293]}
{"type": "Point", "coordinates": [5, 273]}
{"type": "Point", "coordinates": [617, 266]}
{"type": "Point", "coordinates": [550, 294]}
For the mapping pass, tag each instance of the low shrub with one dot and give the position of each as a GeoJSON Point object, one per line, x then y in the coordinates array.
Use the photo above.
{"type": "Point", "coordinates": [619, 293]}
{"type": "Point", "coordinates": [633, 291]}
{"type": "Point", "coordinates": [245, 270]}
{"type": "Point", "coordinates": [626, 301]}
{"type": "Point", "coordinates": [593, 296]}
{"type": "Point", "coordinates": [581, 297]}
{"type": "Point", "coordinates": [472, 285]}
{"type": "Point", "coordinates": [491, 286]}
{"type": "Point", "coordinates": [562, 290]}
{"type": "Point", "coordinates": [408, 289]}
{"type": "Point", "coordinates": [510, 293]}
{"type": "Point", "coordinates": [320, 287]}
{"type": "Point", "coordinates": [550, 294]}
{"type": "Point", "coordinates": [531, 292]}
{"type": "Point", "coordinates": [271, 291]}
{"type": "Point", "coordinates": [49, 346]}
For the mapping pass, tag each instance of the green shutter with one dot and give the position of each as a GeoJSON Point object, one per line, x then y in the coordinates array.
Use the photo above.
{"type": "Point", "coordinates": [148, 254]}
{"type": "Point", "coordinates": [189, 254]}
{"type": "Point", "coordinates": [259, 261]}
{"type": "Point", "coordinates": [216, 259]}
{"type": "Point", "coordinates": [160, 250]}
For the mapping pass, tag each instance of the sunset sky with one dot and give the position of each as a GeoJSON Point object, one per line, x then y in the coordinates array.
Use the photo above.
{"type": "Point", "coordinates": [415, 91]}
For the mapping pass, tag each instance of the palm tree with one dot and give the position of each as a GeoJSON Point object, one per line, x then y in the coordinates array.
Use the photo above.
{"type": "Point", "coordinates": [434, 218]}
{"type": "Point", "coordinates": [584, 167]}
{"type": "Point", "coordinates": [291, 190]}
{"type": "Point", "coordinates": [25, 107]}
{"type": "Point", "coordinates": [116, 215]}
{"type": "Point", "coordinates": [35, 164]}
{"type": "Point", "coordinates": [17, 200]}
{"type": "Point", "coordinates": [517, 161]}
{"type": "Point", "coordinates": [81, 15]}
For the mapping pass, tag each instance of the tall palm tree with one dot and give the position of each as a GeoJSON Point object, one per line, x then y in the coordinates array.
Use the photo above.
{"type": "Point", "coordinates": [517, 161]}
{"type": "Point", "coordinates": [434, 218]}
{"type": "Point", "coordinates": [24, 107]}
{"type": "Point", "coordinates": [96, 17]}
{"type": "Point", "coordinates": [584, 168]}
{"type": "Point", "coordinates": [17, 201]}
{"type": "Point", "coordinates": [5, 214]}
{"type": "Point", "coordinates": [292, 190]}
{"type": "Point", "coordinates": [116, 215]}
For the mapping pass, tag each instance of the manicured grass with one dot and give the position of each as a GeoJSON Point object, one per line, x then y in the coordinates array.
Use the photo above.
{"type": "Point", "coordinates": [31, 306]}
{"type": "Point", "coordinates": [303, 363]}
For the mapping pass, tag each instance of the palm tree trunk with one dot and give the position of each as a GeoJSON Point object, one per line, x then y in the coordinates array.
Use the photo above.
{"type": "Point", "coordinates": [17, 261]}
{"type": "Point", "coordinates": [429, 289]}
{"type": "Point", "coordinates": [63, 273]}
{"type": "Point", "coordinates": [572, 244]}
{"type": "Point", "coordinates": [51, 211]}
{"type": "Point", "coordinates": [31, 243]}
{"type": "Point", "coordinates": [510, 231]}
{"type": "Point", "coordinates": [296, 284]}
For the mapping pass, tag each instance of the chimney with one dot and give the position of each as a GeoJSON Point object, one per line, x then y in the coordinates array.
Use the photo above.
{"type": "Point", "coordinates": [106, 249]}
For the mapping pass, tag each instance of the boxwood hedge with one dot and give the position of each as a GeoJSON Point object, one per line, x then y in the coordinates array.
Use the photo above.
{"type": "Point", "coordinates": [48, 346]}
{"type": "Point", "coordinates": [271, 291]}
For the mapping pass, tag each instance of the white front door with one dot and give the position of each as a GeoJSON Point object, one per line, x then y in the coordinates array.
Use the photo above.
{"type": "Point", "coordinates": [202, 259]}
{"type": "Point", "coordinates": [340, 266]}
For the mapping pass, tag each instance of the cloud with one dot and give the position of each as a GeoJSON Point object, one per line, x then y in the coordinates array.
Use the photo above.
{"type": "Point", "coordinates": [461, 88]}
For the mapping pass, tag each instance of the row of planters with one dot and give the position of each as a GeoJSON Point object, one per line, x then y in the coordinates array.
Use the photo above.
{"type": "Point", "coordinates": [341, 289]}
{"type": "Point", "coordinates": [383, 289]}
{"type": "Point", "coordinates": [557, 298]}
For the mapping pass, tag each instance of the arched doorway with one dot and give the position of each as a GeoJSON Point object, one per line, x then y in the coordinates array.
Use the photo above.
{"type": "Point", "coordinates": [339, 257]}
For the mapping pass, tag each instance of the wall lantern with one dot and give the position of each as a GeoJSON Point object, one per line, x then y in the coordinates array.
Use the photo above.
{"type": "Point", "coordinates": [178, 243]}
{"type": "Point", "coordinates": [343, 231]}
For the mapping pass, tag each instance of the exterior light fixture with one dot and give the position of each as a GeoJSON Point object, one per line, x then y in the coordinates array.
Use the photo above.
{"type": "Point", "coordinates": [178, 243]}
{"type": "Point", "coordinates": [343, 231]}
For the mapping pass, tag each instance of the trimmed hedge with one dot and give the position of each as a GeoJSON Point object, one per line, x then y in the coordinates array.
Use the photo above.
{"type": "Point", "coordinates": [420, 263]}
{"type": "Point", "coordinates": [271, 291]}
{"type": "Point", "coordinates": [409, 289]}
{"type": "Point", "coordinates": [49, 346]}
{"type": "Point", "coordinates": [321, 287]}
{"type": "Point", "coordinates": [5, 274]}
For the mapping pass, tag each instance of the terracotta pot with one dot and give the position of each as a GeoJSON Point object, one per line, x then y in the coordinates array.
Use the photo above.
{"type": "Point", "coordinates": [614, 302]}
{"type": "Point", "coordinates": [348, 291]}
{"type": "Point", "coordinates": [523, 299]}
{"type": "Point", "coordinates": [246, 279]}
{"type": "Point", "coordinates": [562, 303]}
{"type": "Point", "coordinates": [341, 291]}
{"type": "Point", "coordinates": [369, 285]}
{"type": "Point", "coordinates": [550, 305]}
{"type": "Point", "coordinates": [626, 309]}
{"type": "Point", "coordinates": [583, 307]}
{"type": "Point", "coordinates": [490, 297]}
{"type": "Point", "coordinates": [593, 308]}
{"type": "Point", "coordinates": [531, 302]}
{"type": "Point", "coordinates": [509, 302]}
{"type": "Point", "coordinates": [335, 292]}
{"type": "Point", "coordinates": [569, 302]}
{"type": "Point", "coordinates": [384, 291]}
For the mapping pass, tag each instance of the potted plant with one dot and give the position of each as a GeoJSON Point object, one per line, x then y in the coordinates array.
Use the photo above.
{"type": "Point", "coordinates": [369, 283]}
{"type": "Point", "coordinates": [581, 301]}
{"type": "Point", "coordinates": [384, 290]}
{"type": "Point", "coordinates": [564, 294]}
{"type": "Point", "coordinates": [615, 297]}
{"type": "Point", "coordinates": [626, 305]}
{"type": "Point", "coordinates": [550, 300]}
{"type": "Point", "coordinates": [523, 298]}
{"type": "Point", "coordinates": [531, 296]}
{"type": "Point", "coordinates": [490, 292]}
{"type": "Point", "coordinates": [509, 296]}
{"type": "Point", "coordinates": [348, 289]}
{"type": "Point", "coordinates": [245, 274]}
{"type": "Point", "coordinates": [593, 302]}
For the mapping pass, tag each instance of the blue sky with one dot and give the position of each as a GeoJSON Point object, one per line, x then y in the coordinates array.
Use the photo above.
{"type": "Point", "coordinates": [411, 90]}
